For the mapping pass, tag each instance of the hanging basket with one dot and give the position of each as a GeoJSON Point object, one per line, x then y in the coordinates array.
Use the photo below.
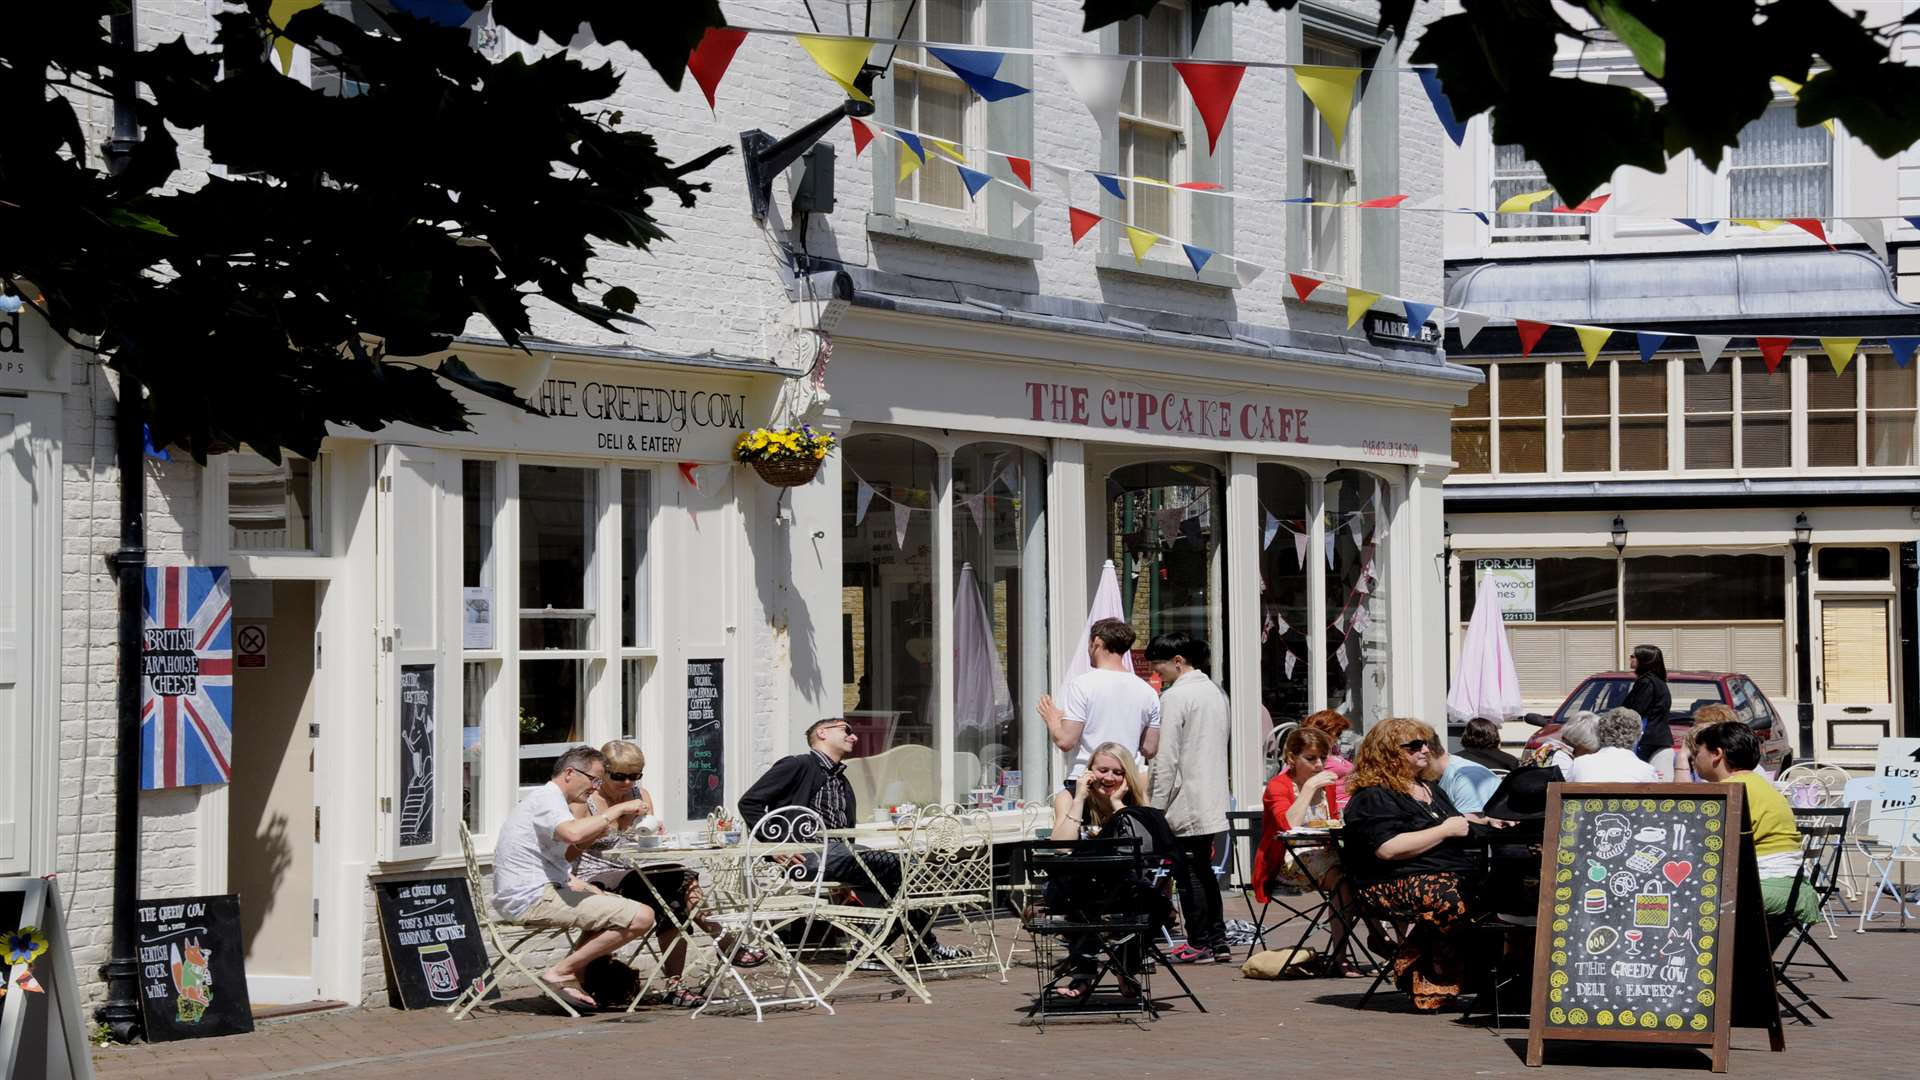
{"type": "Point", "coordinates": [789, 472]}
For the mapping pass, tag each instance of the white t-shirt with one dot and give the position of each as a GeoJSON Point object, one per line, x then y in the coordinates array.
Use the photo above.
{"type": "Point", "coordinates": [1115, 706]}
{"type": "Point", "coordinates": [527, 857]}
{"type": "Point", "coordinates": [1611, 765]}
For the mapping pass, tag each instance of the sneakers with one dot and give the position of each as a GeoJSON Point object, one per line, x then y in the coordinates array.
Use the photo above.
{"type": "Point", "coordinates": [1222, 953]}
{"type": "Point", "coordinates": [944, 954]}
{"type": "Point", "coordinates": [1187, 954]}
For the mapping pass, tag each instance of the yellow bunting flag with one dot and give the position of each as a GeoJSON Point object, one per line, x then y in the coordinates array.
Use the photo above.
{"type": "Point", "coordinates": [1331, 91]}
{"type": "Point", "coordinates": [1793, 91]}
{"type": "Point", "coordinates": [1358, 301]}
{"type": "Point", "coordinates": [1840, 351]}
{"type": "Point", "coordinates": [1591, 339]}
{"type": "Point", "coordinates": [840, 58]}
{"type": "Point", "coordinates": [1523, 202]}
{"type": "Point", "coordinates": [1142, 242]}
{"type": "Point", "coordinates": [909, 163]}
{"type": "Point", "coordinates": [947, 148]}
{"type": "Point", "coordinates": [1764, 224]}
{"type": "Point", "coordinates": [279, 13]}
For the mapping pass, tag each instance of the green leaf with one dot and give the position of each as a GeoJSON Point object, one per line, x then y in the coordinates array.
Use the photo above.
{"type": "Point", "coordinates": [129, 219]}
{"type": "Point", "coordinates": [1649, 48]}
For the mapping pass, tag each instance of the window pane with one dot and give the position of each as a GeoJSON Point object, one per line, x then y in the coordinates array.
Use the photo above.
{"type": "Point", "coordinates": [1643, 388]}
{"type": "Point", "coordinates": [999, 623]}
{"type": "Point", "coordinates": [1163, 527]}
{"type": "Point", "coordinates": [1704, 587]}
{"type": "Point", "coordinates": [890, 688]}
{"type": "Point", "coordinates": [1827, 389]}
{"type": "Point", "coordinates": [1327, 183]}
{"type": "Point", "coordinates": [1523, 394]}
{"type": "Point", "coordinates": [1472, 446]}
{"type": "Point", "coordinates": [945, 21]}
{"type": "Point", "coordinates": [473, 759]}
{"type": "Point", "coordinates": [943, 105]}
{"type": "Point", "coordinates": [1159, 96]}
{"type": "Point", "coordinates": [1584, 390]}
{"type": "Point", "coordinates": [1889, 386]}
{"type": "Point", "coordinates": [269, 507]}
{"type": "Point", "coordinates": [1283, 594]}
{"type": "Point", "coordinates": [1763, 389]}
{"type": "Point", "coordinates": [1890, 438]}
{"type": "Point", "coordinates": [1831, 439]}
{"type": "Point", "coordinates": [553, 713]}
{"type": "Point", "coordinates": [1523, 446]}
{"type": "Point", "coordinates": [1565, 590]}
{"type": "Point", "coordinates": [1523, 390]}
{"type": "Point", "coordinates": [633, 684]}
{"type": "Point", "coordinates": [1478, 397]}
{"type": "Point", "coordinates": [1854, 564]}
{"type": "Point", "coordinates": [1709, 442]}
{"type": "Point", "coordinates": [1766, 441]}
{"type": "Point", "coordinates": [636, 612]}
{"type": "Point", "coordinates": [1151, 207]}
{"type": "Point", "coordinates": [1709, 391]}
{"type": "Point", "coordinates": [1643, 443]}
{"type": "Point", "coordinates": [1780, 169]}
{"type": "Point", "coordinates": [1585, 445]}
{"type": "Point", "coordinates": [477, 508]}
{"type": "Point", "coordinates": [1358, 682]}
{"type": "Point", "coordinates": [559, 510]}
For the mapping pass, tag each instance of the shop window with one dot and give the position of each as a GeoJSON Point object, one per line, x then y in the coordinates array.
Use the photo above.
{"type": "Point", "coordinates": [1709, 415]}
{"type": "Point", "coordinates": [1575, 590]}
{"type": "Point", "coordinates": [1473, 429]}
{"type": "Point", "coordinates": [1522, 437]}
{"type": "Point", "coordinates": [1515, 174]}
{"type": "Point", "coordinates": [1586, 417]}
{"type": "Point", "coordinates": [636, 516]}
{"type": "Point", "coordinates": [1358, 508]}
{"type": "Point", "coordinates": [1890, 410]}
{"type": "Point", "coordinates": [553, 713]}
{"type": "Point", "coordinates": [892, 697]}
{"type": "Point", "coordinates": [1778, 169]}
{"type": "Point", "coordinates": [475, 698]}
{"type": "Point", "coordinates": [1153, 120]}
{"type": "Point", "coordinates": [1704, 587]}
{"type": "Point", "coordinates": [1643, 416]}
{"type": "Point", "coordinates": [1164, 526]}
{"type": "Point", "coordinates": [1854, 564]}
{"type": "Point", "coordinates": [1285, 550]}
{"type": "Point", "coordinates": [479, 509]}
{"type": "Point", "coordinates": [930, 100]}
{"type": "Point", "coordinates": [1766, 416]}
{"type": "Point", "coordinates": [559, 521]}
{"type": "Point", "coordinates": [270, 507]}
{"type": "Point", "coordinates": [1332, 173]}
{"type": "Point", "coordinates": [999, 623]}
{"type": "Point", "coordinates": [1833, 419]}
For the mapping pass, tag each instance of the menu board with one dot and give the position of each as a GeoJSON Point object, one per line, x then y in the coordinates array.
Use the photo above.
{"type": "Point", "coordinates": [43, 1027]}
{"type": "Point", "coordinates": [706, 736]}
{"type": "Point", "coordinates": [1641, 885]}
{"type": "Point", "coordinates": [432, 940]}
{"type": "Point", "coordinates": [416, 754]}
{"type": "Point", "coordinates": [193, 978]}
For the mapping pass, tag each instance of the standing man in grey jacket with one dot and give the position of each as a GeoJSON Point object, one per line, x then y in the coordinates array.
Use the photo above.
{"type": "Point", "coordinates": [1189, 785]}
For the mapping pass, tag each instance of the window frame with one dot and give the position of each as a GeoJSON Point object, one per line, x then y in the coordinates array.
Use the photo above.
{"type": "Point", "coordinates": [1723, 178]}
{"type": "Point", "coordinates": [1313, 156]}
{"type": "Point", "coordinates": [1132, 116]}
{"type": "Point", "coordinates": [1559, 228]}
{"type": "Point", "coordinates": [970, 213]}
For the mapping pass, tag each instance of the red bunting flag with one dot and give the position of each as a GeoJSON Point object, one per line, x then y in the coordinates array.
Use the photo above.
{"type": "Point", "coordinates": [1586, 207]}
{"type": "Point", "coordinates": [1773, 348]}
{"type": "Point", "coordinates": [862, 135]}
{"type": "Point", "coordinates": [1200, 185]}
{"type": "Point", "coordinates": [1384, 202]}
{"type": "Point", "coordinates": [1022, 168]}
{"type": "Point", "coordinates": [1530, 334]}
{"type": "Point", "coordinates": [1081, 221]}
{"type": "Point", "coordinates": [1813, 226]}
{"type": "Point", "coordinates": [708, 61]}
{"type": "Point", "coordinates": [1303, 285]}
{"type": "Point", "coordinates": [1212, 87]}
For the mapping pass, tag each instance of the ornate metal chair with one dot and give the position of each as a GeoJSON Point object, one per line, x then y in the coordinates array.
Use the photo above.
{"type": "Point", "coordinates": [950, 875]}
{"type": "Point", "coordinates": [506, 948]}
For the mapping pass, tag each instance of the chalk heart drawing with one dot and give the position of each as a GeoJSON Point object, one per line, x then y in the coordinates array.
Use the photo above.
{"type": "Point", "coordinates": [1677, 872]}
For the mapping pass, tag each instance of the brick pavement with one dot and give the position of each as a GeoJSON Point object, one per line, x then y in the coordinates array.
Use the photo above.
{"type": "Point", "coordinates": [1308, 1027]}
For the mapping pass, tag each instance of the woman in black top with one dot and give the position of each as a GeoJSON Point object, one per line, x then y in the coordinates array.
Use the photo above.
{"type": "Point", "coordinates": [1652, 700]}
{"type": "Point", "coordinates": [1409, 852]}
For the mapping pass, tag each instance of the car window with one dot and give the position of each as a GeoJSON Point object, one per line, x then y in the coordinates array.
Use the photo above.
{"type": "Point", "coordinates": [1595, 695]}
{"type": "Point", "coordinates": [1762, 712]}
{"type": "Point", "coordinates": [1690, 694]}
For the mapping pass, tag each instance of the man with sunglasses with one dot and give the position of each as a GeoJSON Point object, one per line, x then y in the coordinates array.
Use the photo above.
{"type": "Point", "coordinates": [533, 881]}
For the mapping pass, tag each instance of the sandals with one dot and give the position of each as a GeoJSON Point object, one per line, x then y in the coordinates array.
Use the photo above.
{"type": "Point", "coordinates": [679, 997]}
{"type": "Point", "coordinates": [1077, 990]}
{"type": "Point", "coordinates": [749, 958]}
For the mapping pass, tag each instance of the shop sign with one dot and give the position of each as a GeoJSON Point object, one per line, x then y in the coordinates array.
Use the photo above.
{"type": "Point", "coordinates": [1138, 409]}
{"type": "Point", "coordinates": [1382, 329]}
{"type": "Point", "coordinates": [32, 357]}
{"type": "Point", "coordinates": [1897, 759]}
{"type": "Point", "coordinates": [1513, 582]}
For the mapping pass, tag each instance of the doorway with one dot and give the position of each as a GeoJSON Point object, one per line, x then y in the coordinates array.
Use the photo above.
{"type": "Point", "coordinates": [1855, 681]}
{"type": "Point", "coordinates": [272, 826]}
{"type": "Point", "coordinates": [1165, 531]}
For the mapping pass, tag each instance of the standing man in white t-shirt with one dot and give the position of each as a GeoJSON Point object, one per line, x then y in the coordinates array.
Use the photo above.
{"type": "Point", "coordinates": [1108, 704]}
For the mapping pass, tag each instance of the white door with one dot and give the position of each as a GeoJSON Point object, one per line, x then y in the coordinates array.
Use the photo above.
{"type": "Point", "coordinates": [1853, 681]}
{"type": "Point", "coordinates": [16, 572]}
{"type": "Point", "coordinates": [419, 763]}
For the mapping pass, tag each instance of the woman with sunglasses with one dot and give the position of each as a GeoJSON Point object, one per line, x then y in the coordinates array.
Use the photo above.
{"type": "Point", "coordinates": [677, 886]}
{"type": "Point", "coordinates": [1408, 851]}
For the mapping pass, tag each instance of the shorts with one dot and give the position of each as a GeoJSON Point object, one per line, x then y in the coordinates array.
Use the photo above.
{"type": "Point", "coordinates": [581, 910]}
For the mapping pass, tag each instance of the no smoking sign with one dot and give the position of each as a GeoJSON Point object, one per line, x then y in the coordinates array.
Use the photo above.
{"type": "Point", "coordinates": [250, 646]}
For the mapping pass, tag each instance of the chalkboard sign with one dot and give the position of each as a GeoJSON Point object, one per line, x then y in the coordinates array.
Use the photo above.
{"type": "Point", "coordinates": [1649, 901]}
{"type": "Point", "coordinates": [416, 754]}
{"type": "Point", "coordinates": [43, 1030]}
{"type": "Point", "coordinates": [432, 940]}
{"type": "Point", "coordinates": [706, 736]}
{"type": "Point", "coordinates": [193, 976]}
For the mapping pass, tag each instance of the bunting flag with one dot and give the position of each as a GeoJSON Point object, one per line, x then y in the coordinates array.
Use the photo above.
{"type": "Point", "coordinates": [1112, 184]}
{"type": "Point", "coordinates": [1080, 221]}
{"type": "Point", "coordinates": [909, 164]}
{"type": "Point", "coordinates": [1212, 87]}
{"type": "Point", "coordinates": [1442, 108]}
{"type": "Point", "coordinates": [1523, 202]}
{"type": "Point", "coordinates": [1812, 227]}
{"type": "Point", "coordinates": [1902, 349]}
{"type": "Point", "coordinates": [1417, 315]}
{"type": "Point", "coordinates": [690, 472]}
{"type": "Point", "coordinates": [974, 179]}
{"type": "Point", "coordinates": [1021, 168]}
{"type": "Point", "coordinates": [973, 504]}
{"type": "Point", "coordinates": [1649, 344]}
{"type": "Point", "coordinates": [279, 13]}
{"type": "Point", "coordinates": [1245, 273]}
{"type": "Point", "coordinates": [1873, 232]}
{"type": "Point", "coordinates": [862, 135]}
{"type": "Point", "coordinates": [1341, 655]}
{"type": "Point", "coordinates": [1333, 537]}
{"type": "Point", "coordinates": [1773, 348]}
{"type": "Point", "coordinates": [1704, 228]}
{"type": "Point", "coordinates": [840, 58]}
{"type": "Point", "coordinates": [1914, 221]}
{"type": "Point", "coordinates": [912, 142]}
{"type": "Point", "coordinates": [1793, 91]}
{"type": "Point", "coordinates": [1358, 301]}
{"type": "Point", "coordinates": [1026, 200]}
{"type": "Point", "coordinates": [1300, 549]}
{"type": "Point", "coordinates": [1268, 530]}
{"type": "Point", "coordinates": [1592, 338]}
{"type": "Point", "coordinates": [1331, 91]}
{"type": "Point", "coordinates": [1840, 351]}
{"type": "Point", "coordinates": [1198, 256]}
{"type": "Point", "coordinates": [900, 516]}
{"type": "Point", "coordinates": [1142, 242]}
{"type": "Point", "coordinates": [1763, 224]}
{"type": "Point", "coordinates": [1339, 624]}
{"type": "Point", "coordinates": [1384, 202]}
{"type": "Point", "coordinates": [1481, 214]}
{"type": "Point", "coordinates": [1586, 207]}
{"type": "Point", "coordinates": [708, 61]}
{"type": "Point", "coordinates": [1469, 323]}
{"type": "Point", "coordinates": [1097, 82]}
{"type": "Point", "coordinates": [977, 68]}
{"type": "Point", "coordinates": [1710, 346]}
{"type": "Point", "coordinates": [1530, 334]}
{"type": "Point", "coordinates": [1062, 178]}
{"type": "Point", "coordinates": [1303, 285]}
{"type": "Point", "coordinates": [862, 498]}
{"type": "Point", "coordinates": [1280, 623]}
{"type": "Point", "coordinates": [1291, 660]}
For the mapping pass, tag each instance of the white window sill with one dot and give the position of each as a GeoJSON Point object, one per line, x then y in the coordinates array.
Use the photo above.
{"type": "Point", "coordinates": [947, 236]}
{"type": "Point", "coordinates": [1160, 269]}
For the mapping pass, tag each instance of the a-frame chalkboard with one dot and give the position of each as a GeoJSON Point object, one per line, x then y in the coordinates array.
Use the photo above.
{"type": "Point", "coordinates": [43, 1034]}
{"type": "Point", "coordinates": [1651, 927]}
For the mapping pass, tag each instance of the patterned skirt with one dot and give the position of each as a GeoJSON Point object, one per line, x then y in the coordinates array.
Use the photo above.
{"type": "Point", "coordinates": [1429, 965]}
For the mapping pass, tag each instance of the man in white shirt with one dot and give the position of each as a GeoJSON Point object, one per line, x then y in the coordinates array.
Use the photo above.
{"type": "Point", "coordinates": [1108, 704]}
{"type": "Point", "coordinates": [533, 882]}
{"type": "Point", "coordinates": [1613, 761]}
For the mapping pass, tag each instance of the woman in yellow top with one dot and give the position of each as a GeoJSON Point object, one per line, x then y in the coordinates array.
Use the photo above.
{"type": "Point", "coordinates": [1727, 753]}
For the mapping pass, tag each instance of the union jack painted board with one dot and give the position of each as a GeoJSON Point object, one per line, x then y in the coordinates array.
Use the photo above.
{"type": "Point", "coordinates": [186, 678]}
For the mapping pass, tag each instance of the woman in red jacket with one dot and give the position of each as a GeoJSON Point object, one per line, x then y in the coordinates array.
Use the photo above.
{"type": "Point", "coordinates": [1304, 792]}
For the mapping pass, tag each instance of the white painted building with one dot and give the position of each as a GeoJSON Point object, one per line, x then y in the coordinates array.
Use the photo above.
{"type": "Point", "coordinates": [1660, 499]}
{"type": "Point", "coordinates": [1031, 407]}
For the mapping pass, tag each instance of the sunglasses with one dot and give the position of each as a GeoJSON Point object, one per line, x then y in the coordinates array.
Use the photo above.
{"type": "Point", "coordinates": [1415, 746]}
{"type": "Point", "coordinates": [625, 777]}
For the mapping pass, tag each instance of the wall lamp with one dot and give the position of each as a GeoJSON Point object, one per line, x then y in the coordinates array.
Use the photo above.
{"type": "Point", "coordinates": [1802, 530]}
{"type": "Point", "coordinates": [1619, 535]}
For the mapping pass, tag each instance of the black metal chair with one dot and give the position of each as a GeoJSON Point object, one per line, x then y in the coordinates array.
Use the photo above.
{"type": "Point", "coordinates": [1822, 838]}
{"type": "Point", "coordinates": [1246, 825]}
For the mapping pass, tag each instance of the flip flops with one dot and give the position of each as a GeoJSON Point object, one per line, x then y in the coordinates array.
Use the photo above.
{"type": "Point", "coordinates": [569, 990]}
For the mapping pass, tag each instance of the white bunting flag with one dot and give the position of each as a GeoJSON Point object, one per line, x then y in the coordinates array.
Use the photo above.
{"type": "Point", "coordinates": [1342, 657]}
{"type": "Point", "coordinates": [900, 526]}
{"type": "Point", "coordinates": [1291, 660]}
{"type": "Point", "coordinates": [1469, 323]}
{"type": "Point", "coordinates": [1363, 586]}
{"type": "Point", "coordinates": [1025, 203]}
{"type": "Point", "coordinates": [1062, 176]}
{"type": "Point", "coordinates": [862, 496]}
{"type": "Point", "coordinates": [1300, 550]}
{"type": "Point", "coordinates": [1266, 628]}
{"type": "Point", "coordinates": [1010, 479]}
{"type": "Point", "coordinates": [1269, 530]}
{"type": "Point", "coordinates": [1360, 621]}
{"type": "Point", "coordinates": [1874, 232]}
{"type": "Point", "coordinates": [973, 507]}
{"type": "Point", "coordinates": [1097, 82]}
{"type": "Point", "coordinates": [1280, 621]}
{"type": "Point", "coordinates": [1169, 520]}
{"type": "Point", "coordinates": [1711, 346]}
{"type": "Point", "coordinates": [1379, 503]}
{"type": "Point", "coordinates": [1333, 536]}
{"type": "Point", "coordinates": [1245, 273]}
{"type": "Point", "coordinates": [1340, 623]}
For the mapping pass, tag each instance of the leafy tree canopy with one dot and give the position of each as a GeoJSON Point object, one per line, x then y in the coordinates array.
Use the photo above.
{"type": "Point", "coordinates": [343, 232]}
{"type": "Point", "coordinates": [1714, 60]}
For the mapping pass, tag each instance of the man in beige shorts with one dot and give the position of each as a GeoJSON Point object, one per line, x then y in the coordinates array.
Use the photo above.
{"type": "Point", "coordinates": [533, 882]}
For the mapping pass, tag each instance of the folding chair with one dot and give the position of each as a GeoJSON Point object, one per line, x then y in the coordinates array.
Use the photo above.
{"type": "Point", "coordinates": [506, 953]}
{"type": "Point", "coordinates": [1885, 839]}
{"type": "Point", "coordinates": [951, 874]}
{"type": "Point", "coordinates": [1824, 832]}
{"type": "Point", "coordinates": [1246, 825]}
{"type": "Point", "coordinates": [1821, 832]}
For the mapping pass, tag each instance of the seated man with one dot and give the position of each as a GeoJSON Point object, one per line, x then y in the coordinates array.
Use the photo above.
{"type": "Point", "coordinates": [817, 779]}
{"type": "Point", "coordinates": [533, 882]}
{"type": "Point", "coordinates": [1468, 783]}
{"type": "Point", "coordinates": [1727, 753]}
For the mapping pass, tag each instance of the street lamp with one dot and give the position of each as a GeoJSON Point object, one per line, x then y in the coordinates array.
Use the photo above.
{"type": "Point", "coordinates": [1802, 530]}
{"type": "Point", "coordinates": [1619, 535]}
{"type": "Point", "coordinates": [1803, 629]}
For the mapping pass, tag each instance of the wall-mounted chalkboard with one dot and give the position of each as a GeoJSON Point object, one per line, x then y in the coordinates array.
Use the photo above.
{"type": "Point", "coordinates": [416, 754]}
{"type": "Point", "coordinates": [432, 940]}
{"type": "Point", "coordinates": [193, 975]}
{"type": "Point", "coordinates": [1649, 903]}
{"type": "Point", "coordinates": [706, 736]}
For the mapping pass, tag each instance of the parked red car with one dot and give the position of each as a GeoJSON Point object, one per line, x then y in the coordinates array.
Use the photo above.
{"type": "Point", "coordinates": [1690, 689]}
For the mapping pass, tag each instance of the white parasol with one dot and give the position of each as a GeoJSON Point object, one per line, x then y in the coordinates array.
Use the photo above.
{"type": "Point", "coordinates": [979, 682]}
{"type": "Point", "coordinates": [1484, 682]}
{"type": "Point", "coordinates": [1106, 605]}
